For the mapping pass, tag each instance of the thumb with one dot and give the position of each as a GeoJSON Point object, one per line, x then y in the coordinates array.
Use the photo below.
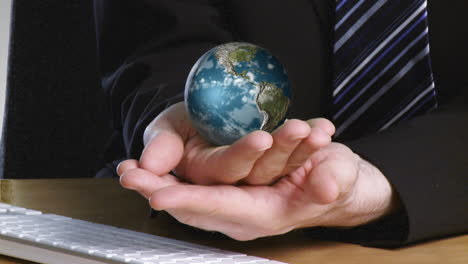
{"type": "Point", "coordinates": [333, 177]}
{"type": "Point", "coordinates": [322, 185]}
{"type": "Point", "coordinates": [162, 153]}
{"type": "Point", "coordinates": [164, 141]}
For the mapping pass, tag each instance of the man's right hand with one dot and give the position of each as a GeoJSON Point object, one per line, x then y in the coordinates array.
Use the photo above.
{"type": "Point", "coordinates": [259, 158]}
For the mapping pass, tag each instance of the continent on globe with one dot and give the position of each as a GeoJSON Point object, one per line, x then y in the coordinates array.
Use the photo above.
{"type": "Point", "coordinates": [273, 104]}
{"type": "Point", "coordinates": [234, 89]}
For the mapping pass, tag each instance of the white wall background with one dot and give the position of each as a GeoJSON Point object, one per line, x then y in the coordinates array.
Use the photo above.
{"type": "Point", "coordinates": [5, 16]}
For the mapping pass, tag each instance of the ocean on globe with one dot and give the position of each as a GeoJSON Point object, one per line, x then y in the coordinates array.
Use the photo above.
{"type": "Point", "coordinates": [234, 89]}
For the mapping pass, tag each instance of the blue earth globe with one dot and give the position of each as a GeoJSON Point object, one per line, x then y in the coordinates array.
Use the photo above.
{"type": "Point", "coordinates": [234, 89]}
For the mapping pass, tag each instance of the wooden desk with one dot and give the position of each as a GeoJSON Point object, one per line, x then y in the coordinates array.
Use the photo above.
{"type": "Point", "coordinates": [104, 201]}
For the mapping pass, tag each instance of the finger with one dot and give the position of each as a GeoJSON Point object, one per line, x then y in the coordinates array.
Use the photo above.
{"type": "Point", "coordinates": [321, 131]}
{"type": "Point", "coordinates": [214, 200]}
{"type": "Point", "coordinates": [163, 152]}
{"type": "Point", "coordinates": [272, 163]}
{"type": "Point", "coordinates": [126, 165]}
{"type": "Point", "coordinates": [223, 202]}
{"type": "Point", "coordinates": [322, 123]}
{"type": "Point", "coordinates": [233, 163]}
{"type": "Point", "coordinates": [317, 139]}
{"type": "Point", "coordinates": [194, 198]}
{"type": "Point", "coordinates": [145, 182]}
{"type": "Point", "coordinates": [174, 118]}
{"type": "Point", "coordinates": [164, 140]}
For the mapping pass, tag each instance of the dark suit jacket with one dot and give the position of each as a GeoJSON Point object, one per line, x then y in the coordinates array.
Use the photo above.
{"type": "Point", "coordinates": [147, 48]}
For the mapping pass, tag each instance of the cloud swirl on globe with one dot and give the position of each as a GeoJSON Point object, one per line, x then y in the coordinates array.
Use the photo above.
{"type": "Point", "coordinates": [234, 89]}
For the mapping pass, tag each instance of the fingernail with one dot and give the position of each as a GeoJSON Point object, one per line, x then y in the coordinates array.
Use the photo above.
{"type": "Point", "coordinates": [117, 169]}
{"type": "Point", "coordinates": [265, 148]}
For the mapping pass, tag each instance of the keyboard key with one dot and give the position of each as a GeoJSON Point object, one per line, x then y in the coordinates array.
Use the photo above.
{"type": "Point", "coordinates": [5, 206]}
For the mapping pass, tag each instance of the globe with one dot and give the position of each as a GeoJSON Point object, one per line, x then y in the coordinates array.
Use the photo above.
{"type": "Point", "coordinates": [234, 89]}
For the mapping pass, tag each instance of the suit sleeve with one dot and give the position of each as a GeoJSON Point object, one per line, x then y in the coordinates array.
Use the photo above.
{"type": "Point", "coordinates": [146, 50]}
{"type": "Point", "coordinates": [426, 161]}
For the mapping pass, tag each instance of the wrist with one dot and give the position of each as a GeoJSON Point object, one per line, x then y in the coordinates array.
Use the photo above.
{"type": "Point", "coordinates": [372, 198]}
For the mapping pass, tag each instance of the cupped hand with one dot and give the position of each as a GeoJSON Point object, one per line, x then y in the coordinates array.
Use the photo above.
{"type": "Point", "coordinates": [172, 144]}
{"type": "Point", "coordinates": [334, 187]}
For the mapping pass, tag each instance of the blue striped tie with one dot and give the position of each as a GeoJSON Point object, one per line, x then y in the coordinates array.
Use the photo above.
{"type": "Point", "coordinates": [382, 69]}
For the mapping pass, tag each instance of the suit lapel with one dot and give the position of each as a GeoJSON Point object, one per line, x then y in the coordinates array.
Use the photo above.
{"type": "Point", "coordinates": [324, 10]}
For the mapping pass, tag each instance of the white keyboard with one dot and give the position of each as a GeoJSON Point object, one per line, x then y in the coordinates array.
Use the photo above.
{"type": "Point", "coordinates": [47, 238]}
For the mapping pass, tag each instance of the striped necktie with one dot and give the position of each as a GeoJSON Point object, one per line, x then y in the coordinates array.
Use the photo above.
{"type": "Point", "coordinates": [382, 69]}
